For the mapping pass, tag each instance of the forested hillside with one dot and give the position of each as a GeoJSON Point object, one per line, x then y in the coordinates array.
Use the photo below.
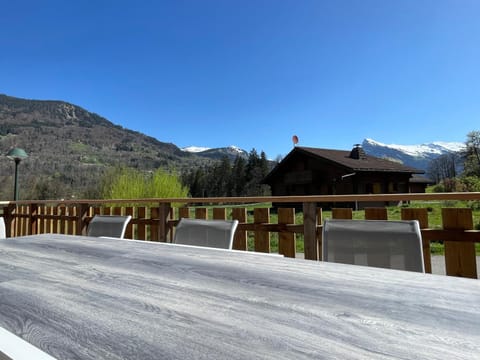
{"type": "Point", "coordinates": [70, 149]}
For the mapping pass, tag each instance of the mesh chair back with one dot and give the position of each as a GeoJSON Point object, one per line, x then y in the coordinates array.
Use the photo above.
{"type": "Point", "coordinates": [3, 234]}
{"type": "Point", "coordinates": [378, 243]}
{"type": "Point", "coordinates": [209, 233]}
{"type": "Point", "coordinates": [108, 225]}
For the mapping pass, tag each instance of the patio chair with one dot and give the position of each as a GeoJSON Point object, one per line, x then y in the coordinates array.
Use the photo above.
{"type": "Point", "coordinates": [3, 234]}
{"type": "Point", "coordinates": [108, 226]}
{"type": "Point", "coordinates": [378, 243]}
{"type": "Point", "coordinates": [209, 233]}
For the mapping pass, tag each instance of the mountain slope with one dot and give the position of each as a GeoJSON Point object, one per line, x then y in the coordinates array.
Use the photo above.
{"type": "Point", "coordinates": [418, 156]}
{"type": "Point", "coordinates": [70, 148]}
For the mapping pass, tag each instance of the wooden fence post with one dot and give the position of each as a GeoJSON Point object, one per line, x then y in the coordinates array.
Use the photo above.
{"type": "Point", "coordinates": [286, 240]}
{"type": "Point", "coordinates": [72, 216]}
{"type": "Point", "coordinates": [310, 231]}
{"type": "Point", "coordinates": [376, 213]}
{"type": "Point", "coordinates": [62, 209]}
{"type": "Point", "coordinates": [54, 222]}
{"type": "Point", "coordinates": [163, 215]}
{"type": "Point", "coordinates": [201, 213]}
{"type": "Point", "coordinates": [459, 256]}
{"type": "Point", "coordinates": [183, 212]}
{"type": "Point", "coordinates": [155, 219]}
{"type": "Point", "coordinates": [240, 239]}
{"type": "Point", "coordinates": [8, 218]}
{"type": "Point", "coordinates": [219, 213]}
{"type": "Point", "coordinates": [81, 222]}
{"type": "Point", "coordinates": [262, 238]}
{"type": "Point", "coordinates": [33, 219]}
{"type": "Point", "coordinates": [319, 232]}
{"type": "Point", "coordinates": [342, 213]}
{"type": "Point", "coordinates": [141, 223]}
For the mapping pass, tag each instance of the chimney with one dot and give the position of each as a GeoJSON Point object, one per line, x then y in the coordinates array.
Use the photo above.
{"type": "Point", "coordinates": [358, 153]}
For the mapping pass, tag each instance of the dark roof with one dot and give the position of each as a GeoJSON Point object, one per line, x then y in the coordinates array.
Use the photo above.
{"type": "Point", "coordinates": [344, 158]}
{"type": "Point", "coordinates": [366, 163]}
{"type": "Point", "coordinates": [420, 179]}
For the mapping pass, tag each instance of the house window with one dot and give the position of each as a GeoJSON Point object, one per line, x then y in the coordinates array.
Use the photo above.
{"type": "Point", "coordinates": [392, 187]}
{"type": "Point", "coordinates": [369, 188]}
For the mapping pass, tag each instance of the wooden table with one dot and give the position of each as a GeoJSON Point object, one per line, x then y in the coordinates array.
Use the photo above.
{"type": "Point", "coordinates": [92, 298]}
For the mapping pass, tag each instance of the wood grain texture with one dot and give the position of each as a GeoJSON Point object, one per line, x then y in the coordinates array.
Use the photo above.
{"type": "Point", "coordinates": [376, 213]}
{"type": "Point", "coordinates": [240, 240]}
{"type": "Point", "coordinates": [262, 238]}
{"type": "Point", "coordinates": [310, 222]}
{"type": "Point", "coordinates": [459, 256]}
{"type": "Point", "coordinates": [286, 240]}
{"type": "Point", "coordinates": [89, 298]}
{"type": "Point", "coordinates": [342, 213]}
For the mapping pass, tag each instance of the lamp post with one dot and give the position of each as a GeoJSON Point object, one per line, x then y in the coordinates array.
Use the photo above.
{"type": "Point", "coordinates": [17, 155]}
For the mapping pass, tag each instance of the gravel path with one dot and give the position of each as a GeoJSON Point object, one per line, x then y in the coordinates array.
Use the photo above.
{"type": "Point", "coordinates": [438, 265]}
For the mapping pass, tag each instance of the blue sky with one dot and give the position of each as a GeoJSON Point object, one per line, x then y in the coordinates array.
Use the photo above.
{"type": "Point", "coordinates": [252, 73]}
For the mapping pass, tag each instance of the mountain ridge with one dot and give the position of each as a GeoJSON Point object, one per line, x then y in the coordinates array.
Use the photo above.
{"type": "Point", "coordinates": [417, 156]}
{"type": "Point", "coordinates": [231, 152]}
{"type": "Point", "coordinates": [435, 147]}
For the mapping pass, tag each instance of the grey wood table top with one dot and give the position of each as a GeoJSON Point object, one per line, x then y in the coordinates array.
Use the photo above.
{"type": "Point", "coordinates": [91, 298]}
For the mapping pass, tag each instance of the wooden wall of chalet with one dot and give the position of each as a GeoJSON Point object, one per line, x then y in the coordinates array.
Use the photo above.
{"type": "Point", "coordinates": [304, 175]}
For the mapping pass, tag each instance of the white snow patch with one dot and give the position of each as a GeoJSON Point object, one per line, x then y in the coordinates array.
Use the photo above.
{"type": "Point", "coordinates": [437, 147]}
{"type": "Point", "coordinates": [195, 149]}
{"type": "Point", "coordinates": [236, 149]}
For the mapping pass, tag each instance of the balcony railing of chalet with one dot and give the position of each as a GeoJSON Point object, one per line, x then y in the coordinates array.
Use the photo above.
{"type": "Point", "coordinates": [155, 220]}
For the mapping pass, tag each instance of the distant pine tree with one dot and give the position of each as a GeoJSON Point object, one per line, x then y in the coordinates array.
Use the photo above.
{"type": "Point", "coordinates": [224, 179]}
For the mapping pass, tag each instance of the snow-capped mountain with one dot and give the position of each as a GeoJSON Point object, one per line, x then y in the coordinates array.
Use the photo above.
{"type": "Point", "coordinates": [217, 153]}
{"type": "Point", "coordinates": [417, 156]}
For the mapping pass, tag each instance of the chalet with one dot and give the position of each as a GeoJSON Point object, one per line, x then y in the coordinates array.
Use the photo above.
{"type": "Point", "coordinates": [313, 171]}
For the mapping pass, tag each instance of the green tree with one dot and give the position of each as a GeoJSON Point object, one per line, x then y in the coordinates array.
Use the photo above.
{"type": "Point", "coordinates": [196, 180]}
{"type": "Point", "coordinates": [238, 176]}
{"type": "Point", "coordinates": [128, 183]}
{"type": "Point", "coordinates": [242, 178]}
{"type": "Point", "coordinates": [444, 167]}
{"type": "Point", "coordinates": [470, 183]}
{"type": "Point", "coordinates": [256, 170]}
{"type": "Point", "coordinates": [472, 154]}
{"type": "Point", "coordinates": [221, 178]}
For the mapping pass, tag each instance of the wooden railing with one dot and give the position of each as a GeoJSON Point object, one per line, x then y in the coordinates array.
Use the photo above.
{"type": "Point", "coordinates": [155, 219]}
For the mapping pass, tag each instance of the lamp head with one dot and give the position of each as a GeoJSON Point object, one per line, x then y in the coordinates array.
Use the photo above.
{"type": "Point", "coordinates": [17, 154]}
